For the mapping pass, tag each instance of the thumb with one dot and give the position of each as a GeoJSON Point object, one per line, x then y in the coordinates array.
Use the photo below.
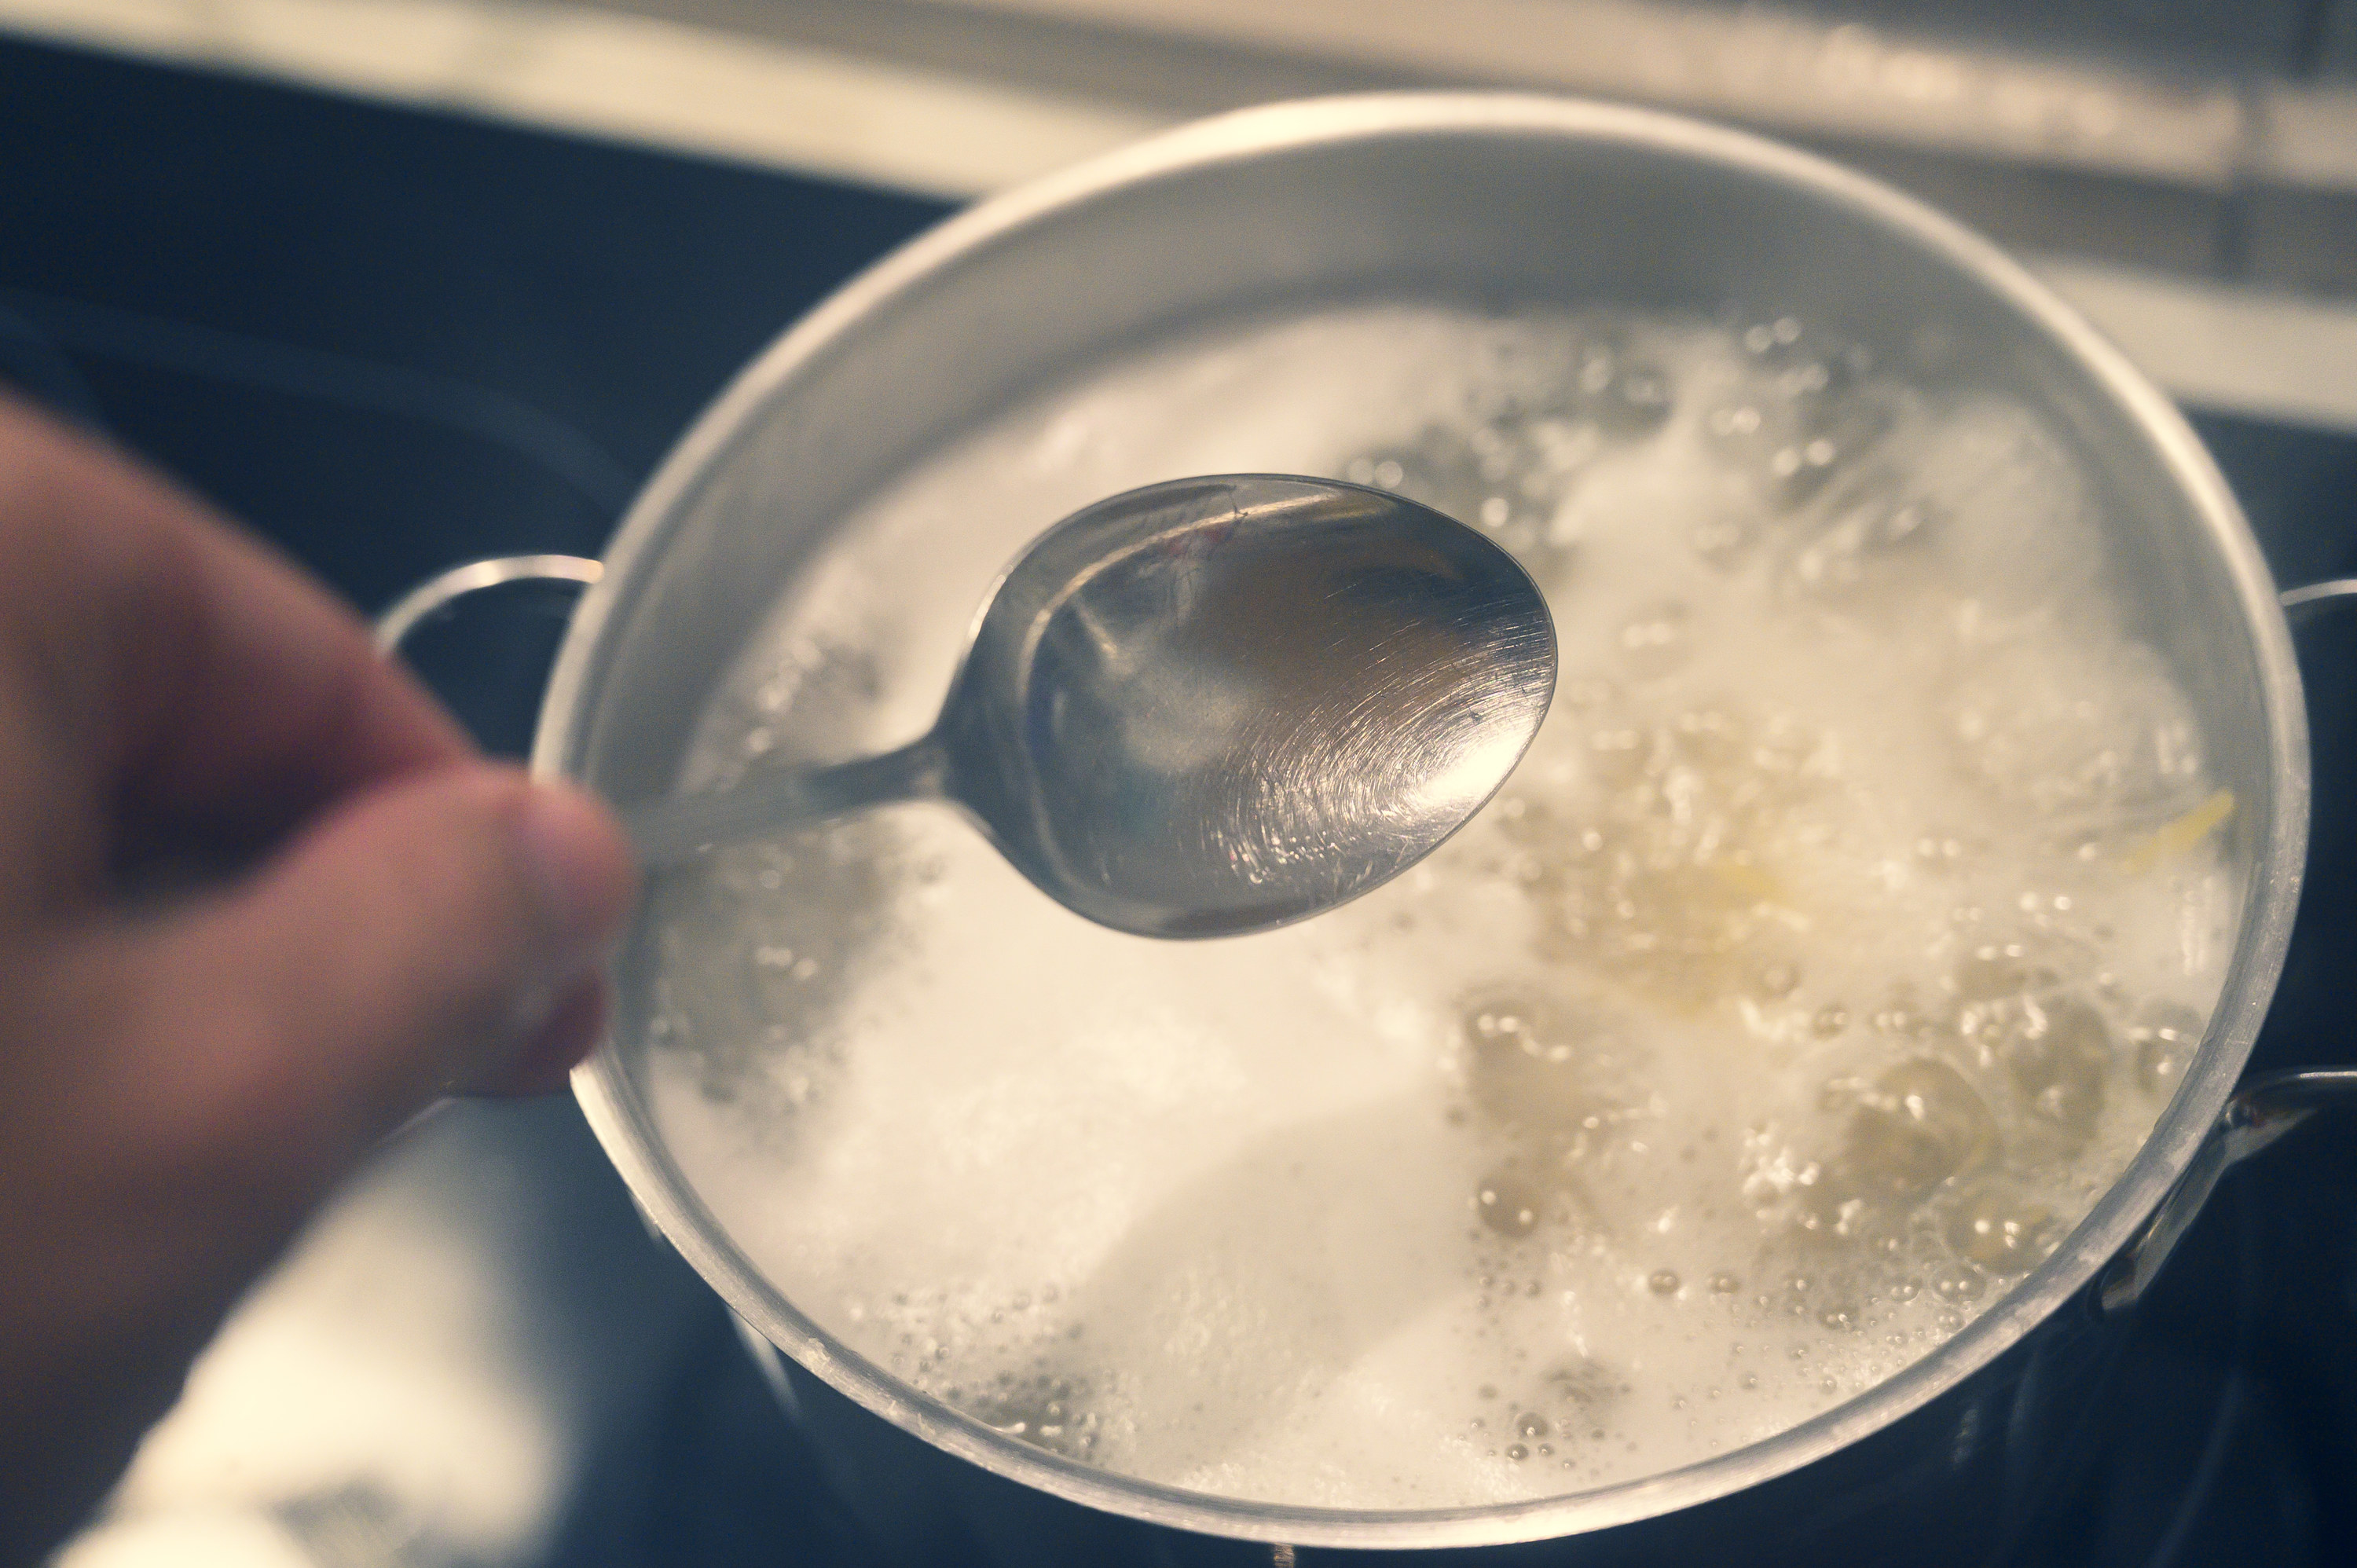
{"type": "Point", "coordinates": [421, 937]}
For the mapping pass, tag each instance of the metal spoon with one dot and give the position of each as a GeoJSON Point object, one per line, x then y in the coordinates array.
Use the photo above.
{"type": "Point", "coordinates": [1209, 706]}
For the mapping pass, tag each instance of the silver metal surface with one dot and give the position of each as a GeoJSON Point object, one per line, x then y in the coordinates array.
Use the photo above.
{"type": "Point", "coordinates": [2305, 603]}
{"type": "Point", "coordinates": [444, 589]}
{"type": "Point", "coordinates": [1209, 706]}
{"type": "Point", "coordinates": [1472, 200]}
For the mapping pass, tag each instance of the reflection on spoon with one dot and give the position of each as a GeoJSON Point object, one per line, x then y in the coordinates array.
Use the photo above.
{"type": "Point", "coordinates": [1208, 707]}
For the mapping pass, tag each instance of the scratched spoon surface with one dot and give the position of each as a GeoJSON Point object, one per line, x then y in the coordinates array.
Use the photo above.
{"type": "Point", "coordinates": [1207, 707]}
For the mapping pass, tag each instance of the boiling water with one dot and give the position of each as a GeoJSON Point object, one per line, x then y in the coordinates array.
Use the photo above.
{"type": "Point", "coordinates": [1835, 946]}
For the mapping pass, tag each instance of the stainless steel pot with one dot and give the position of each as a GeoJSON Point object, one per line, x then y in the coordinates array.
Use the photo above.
{"type": "Point", "coordinates": [1487, 200]}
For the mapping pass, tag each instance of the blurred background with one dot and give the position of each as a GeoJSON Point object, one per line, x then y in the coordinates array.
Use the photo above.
{"type": "Point", "coordinates": [2210, 141]}
{"type": "Point", "coordinates": [409, 282]}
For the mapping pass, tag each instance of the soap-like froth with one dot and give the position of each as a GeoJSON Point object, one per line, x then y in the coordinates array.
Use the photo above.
{"type": "Point", "coordinates": [1833, 948]}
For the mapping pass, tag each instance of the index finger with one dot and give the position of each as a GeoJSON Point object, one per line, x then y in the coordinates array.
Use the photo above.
{"type": "Point", "coordinates": [193, 677]}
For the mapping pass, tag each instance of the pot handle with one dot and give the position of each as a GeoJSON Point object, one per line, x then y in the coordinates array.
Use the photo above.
{"type": "Point", "coordinates": [2260, 1112]}
{"type": "Point", "coordinates": [446, 588]}
{"type": "Point", "coordinates": [2301, 605]}
{"type": "Point", "coordinates": [437, 594]}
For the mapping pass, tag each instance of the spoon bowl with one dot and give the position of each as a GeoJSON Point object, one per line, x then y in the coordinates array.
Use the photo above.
{"type": "Point", "coordinates": [1209, 706]}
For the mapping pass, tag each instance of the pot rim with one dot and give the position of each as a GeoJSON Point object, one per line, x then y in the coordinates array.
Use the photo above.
{"type": "Point", "coordinates": [2269, 900]}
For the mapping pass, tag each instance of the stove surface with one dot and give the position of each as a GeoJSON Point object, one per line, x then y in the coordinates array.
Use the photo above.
{"type": "Point", "coordinates": [395, 340]}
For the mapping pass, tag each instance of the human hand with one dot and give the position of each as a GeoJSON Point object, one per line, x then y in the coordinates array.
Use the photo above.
{"type": "Point", "coordinates": [190, 1056]}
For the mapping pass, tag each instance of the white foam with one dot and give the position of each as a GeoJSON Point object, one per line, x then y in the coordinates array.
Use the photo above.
{"type": "Point", "coordinates": [1601, 1143]}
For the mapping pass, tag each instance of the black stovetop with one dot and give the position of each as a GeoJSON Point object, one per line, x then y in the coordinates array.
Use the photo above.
{"type": "Point", "coordinates": [393, 341]}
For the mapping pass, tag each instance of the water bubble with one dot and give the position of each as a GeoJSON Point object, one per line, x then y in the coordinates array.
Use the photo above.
{"type": "Point", "coordinates": [1710, 737]}
{"type": "Point", "coordinates": [1638, 400]}
{"type": "Point", "coordinates": [1992, 971]}
{"type": "Point", "coordinates": [1796, 417]}
{"type": "Point", "coordinates": [1585, 1385]}
{"type": "Point", "coordinates": [1441, 470]}
{"type": "Point", "coordinates": [2165, 1035]}
{"type": "Point", "coordinates": [1904, 1016]}
{"type": "Point", "coordinates": [1045, 1409]}
{"type": "Point", "coordinates": [2059, 1052]}
{"type": "Point", "coordinates": [1620, 753]}
{"type": "Point", "coordinates": [2000, 1231]}
{"type": "Point", "coordinates": [1541, 1065]}
{"type": "Point", "coordinates": [1507, 1203]}
{"type": "Point", "coordinates": [1868, 526]}
{"type": "Point", "coordinates": [1657, 642]}
{"type": "Point", "coordinates": [1722, 542]}
{"type": "Point", "coordinates": [1662, 1281]}
{"type": "Point", "coordinates": [1958, 1286]}
{"type": "Point", "coordinates": [1918, 1124]}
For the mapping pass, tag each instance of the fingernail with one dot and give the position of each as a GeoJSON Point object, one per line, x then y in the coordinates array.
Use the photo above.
{"type": "Point", "coordinates": [580, 866]}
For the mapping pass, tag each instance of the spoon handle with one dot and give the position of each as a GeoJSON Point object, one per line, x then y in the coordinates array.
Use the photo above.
{"type": "Point", "coordinates": [769, 804]}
